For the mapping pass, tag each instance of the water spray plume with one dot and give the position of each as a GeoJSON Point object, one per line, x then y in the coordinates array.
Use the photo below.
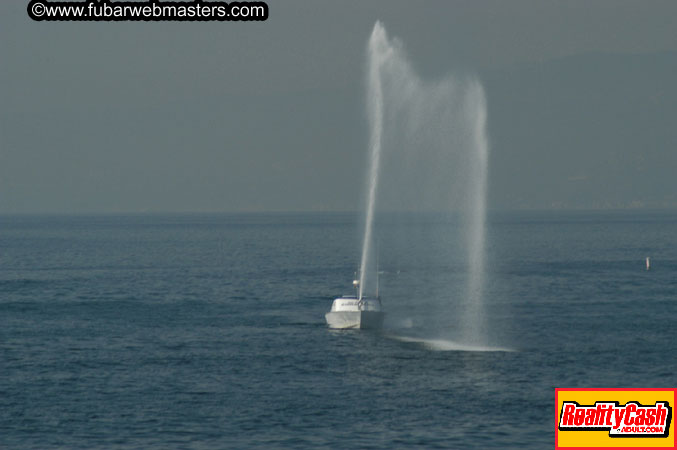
{"type": "Point", "coordinates": [433, 137]}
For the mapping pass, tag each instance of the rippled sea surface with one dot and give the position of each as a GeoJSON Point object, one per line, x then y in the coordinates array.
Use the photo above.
{"type": "Point", "coordinates": [207, 331]}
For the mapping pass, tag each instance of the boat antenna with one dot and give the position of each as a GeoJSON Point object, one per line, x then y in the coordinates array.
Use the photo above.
{"type": "Point", "coordinates": [377, 249]}
{"type": "Point", "coordinates": [356, 283]}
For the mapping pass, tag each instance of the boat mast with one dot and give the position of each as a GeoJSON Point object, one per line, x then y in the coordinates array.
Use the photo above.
{"type": "Point", "coordinates": [377, 248]}
{"type": "Point", "coordinates": [356, 283]}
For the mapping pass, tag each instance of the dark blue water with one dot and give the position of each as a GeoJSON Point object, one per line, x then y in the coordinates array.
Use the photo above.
{"type": "Point", "coordinates": [207, 331]}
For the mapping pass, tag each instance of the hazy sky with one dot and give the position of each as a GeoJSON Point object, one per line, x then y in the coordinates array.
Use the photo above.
{"type": "Point", "coordinates": [269, 116]}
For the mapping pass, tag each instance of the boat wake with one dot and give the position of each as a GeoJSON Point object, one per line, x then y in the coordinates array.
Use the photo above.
{"type": "Point", "coordinates": [445, 345]}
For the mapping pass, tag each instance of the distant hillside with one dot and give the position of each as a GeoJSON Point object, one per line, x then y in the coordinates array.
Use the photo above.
{"type": "Point", "coordinates": [588, 131]}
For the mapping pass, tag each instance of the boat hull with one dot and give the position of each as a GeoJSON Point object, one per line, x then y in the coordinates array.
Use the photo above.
{"type": "Point", "coordinates": [364, 320]}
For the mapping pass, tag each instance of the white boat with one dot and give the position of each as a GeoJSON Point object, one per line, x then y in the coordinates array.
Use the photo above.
{"type": "Point", "coordinates": [353, 311]}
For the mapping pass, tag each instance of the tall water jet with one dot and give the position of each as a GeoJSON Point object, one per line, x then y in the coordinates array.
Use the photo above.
{"type": "Point", "coordinates": [378, 51]}
{"type": "Point", "coordinates": [428, 152]}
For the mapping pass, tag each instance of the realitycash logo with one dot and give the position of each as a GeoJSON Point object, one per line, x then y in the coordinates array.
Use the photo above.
{"type": "Point", "coordinates": [597, 418]}
{"type": "Point", "coordinates": [633, 419]}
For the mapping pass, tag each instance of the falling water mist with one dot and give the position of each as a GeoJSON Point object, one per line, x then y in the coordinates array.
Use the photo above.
{"type": "Point", "coordinates": [428, 151]}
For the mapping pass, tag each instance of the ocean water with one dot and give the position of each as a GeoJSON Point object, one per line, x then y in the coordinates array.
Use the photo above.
{"type": "Point", "coordinates": [207, 331]}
